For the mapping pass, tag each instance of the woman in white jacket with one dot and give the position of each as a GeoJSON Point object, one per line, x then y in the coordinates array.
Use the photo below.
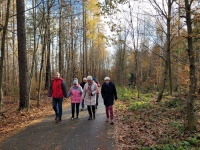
{"type": "Point", "coordinates": [89, 95]}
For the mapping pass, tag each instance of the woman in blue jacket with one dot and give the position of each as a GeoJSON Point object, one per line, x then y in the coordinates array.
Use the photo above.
{"type": "Point", "coordinates": [108, 92]}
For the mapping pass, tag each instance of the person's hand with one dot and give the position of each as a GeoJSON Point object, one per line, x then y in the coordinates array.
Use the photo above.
{"type": "Point", "coordinates": [49, 98]}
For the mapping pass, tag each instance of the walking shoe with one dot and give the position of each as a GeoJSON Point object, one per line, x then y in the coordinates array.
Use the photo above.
{"type": "Point", "coordinates": [112, 122]}
{"type": "Point", "coordinates": [77, 117]}
{"type": "Point", "coordinates": [72, 118]}
{"type": "Point", "coordinates": [82, 109]}
{"type": "Point", "coordinates": [94, 117]}
{"type": "Point", "coordinates": [90, 118]}
{"type": "Point", "coordinates": [107, 120]}
{"type": "Point", "coordinates": [56, 117]}
{"type": "Point", "coordinates": [58, 120]}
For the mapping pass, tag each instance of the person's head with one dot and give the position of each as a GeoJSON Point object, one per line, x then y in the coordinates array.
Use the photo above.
{"type": "Point", "coordinates": [85, 80]}
{"type": "Point", "coordinates": [107, 80]}
{"type": "Point", "coordinates": [89, 79]}
{"type": "Point", "coordinates": [75, 82]}
{"type": "Point", "coordinates": [95, 79]}
{"type": "Point", "coordinates": [57, 75]}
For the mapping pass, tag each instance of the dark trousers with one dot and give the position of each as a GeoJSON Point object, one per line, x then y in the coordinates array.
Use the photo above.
{"type": "Point", "coordinates": [57, 105]}
{"type": "Point", "coordinates": [97, 100]}
{"type": "Point", "coordinates": [82, 103]}
{"type": "Point", "coordinates": [73, 109]}
{"type": "Point", "coordinates": [93, 110]}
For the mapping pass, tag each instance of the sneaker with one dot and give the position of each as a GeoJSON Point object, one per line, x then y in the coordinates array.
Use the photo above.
{"type": "Point", "coordinates": [82, 109]}
{"type": "Point", "coordinates": [58, 120]}
{"type": "Point", "coordinates": [112, 122]}
{"type": "Point", "coordinates": [107, 120]}
{"type": "Point", "coordinates": [90, 118]}
{"type": "Point", "coordinates": [72, 118]}
{"type": "Point", "coordinates": [77, 117]}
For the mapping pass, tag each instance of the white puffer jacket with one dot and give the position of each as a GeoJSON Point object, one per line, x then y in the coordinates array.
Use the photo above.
{"type": "Point", "coordinates": [90, 100]}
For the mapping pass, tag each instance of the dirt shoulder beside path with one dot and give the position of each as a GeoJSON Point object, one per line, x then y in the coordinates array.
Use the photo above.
{"type": "Point", "coordinates": [13, 121]}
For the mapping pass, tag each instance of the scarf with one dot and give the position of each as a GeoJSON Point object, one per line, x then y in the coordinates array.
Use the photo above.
{"type": "Point", "coordinates": [75, 87]}
{"type": "Point", "coordinates": [90, 88]}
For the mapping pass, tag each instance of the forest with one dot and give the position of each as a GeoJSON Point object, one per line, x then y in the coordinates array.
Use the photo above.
{"type": "Point", "coordinates": [149, 48]}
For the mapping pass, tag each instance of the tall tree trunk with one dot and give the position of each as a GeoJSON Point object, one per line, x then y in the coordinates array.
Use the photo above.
{"type": "Point", "coordinates": [52, 59]}
{"type": "Point", "coordinates": [83, 41]}
{"type": "Point", "coordinates": [3, 50]}
{"type": "Point", "coordinates": [71, 36]}
{"type": "Point", "coordinates": [36, 70]}
{"type": "Point", "coordinates": [41, 68]}
{"type": "Point", "coordinates": [60, 39]}
{"type": "Point", "coordinates": [170, 76]}
{"type": "Point", "coordinates": [86, 50]}
{"type": "Point", "coordinates": [22, 55]}
{"type": "Point", "coordinates": [48, 67]}
{"type": "Point", "coordinates": [162, 87]}
{"type": "Point", "coordinates": [34, 55]}
{"type": "Point", "coordinates": [5, 72]}
{"type": "Point", "coordinates": [13, 40]}
{"type": "Point", "coordinates": [8, 72]}
{"type": "Point", "coordinates": [192, 87]}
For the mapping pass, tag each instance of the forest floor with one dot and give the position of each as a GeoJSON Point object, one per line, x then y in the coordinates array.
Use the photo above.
{"type": "Point", "coordinates": [143, 123]}
{"type": "Point", "coordinates": [12, 120]}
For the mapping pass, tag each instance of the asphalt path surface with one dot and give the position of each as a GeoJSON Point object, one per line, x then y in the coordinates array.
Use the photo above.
{"type": "Point", "coordinates": [80, 134]}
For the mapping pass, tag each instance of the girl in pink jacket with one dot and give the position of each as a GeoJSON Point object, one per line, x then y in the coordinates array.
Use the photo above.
{"type": "Point", "coordinates": [76, 92]}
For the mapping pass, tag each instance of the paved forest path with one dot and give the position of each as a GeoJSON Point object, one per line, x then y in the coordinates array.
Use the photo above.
{"type": "Point", "coordinates": [80, 134]}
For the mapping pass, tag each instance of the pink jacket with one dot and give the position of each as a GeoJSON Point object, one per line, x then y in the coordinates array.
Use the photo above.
{"type": "Point", "coordinates": [76, 92]}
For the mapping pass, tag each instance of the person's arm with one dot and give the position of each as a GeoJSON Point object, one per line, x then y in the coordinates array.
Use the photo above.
{"type": "Point", "coordinates": [64, 88]}
{"type": "Point", "coordinates": [115, 92]}
{"type": "Point", "coordinates": [95, 90]}
{"type": "Point", "coordinates": [84, 92]}
{"type": "Point", "coordinates": [81, 90]}
{"type": "Point", "coordinates": [69, 93]}
{"type": "Point", "coordinates": [102, 91]}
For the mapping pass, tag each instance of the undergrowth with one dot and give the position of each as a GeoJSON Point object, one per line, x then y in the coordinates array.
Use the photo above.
{"type": "Point", "coordinates": [147, 124]}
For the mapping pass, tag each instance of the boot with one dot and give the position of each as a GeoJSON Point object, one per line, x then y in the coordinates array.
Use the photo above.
{"type": "Point", "coordinates": [90, 118]}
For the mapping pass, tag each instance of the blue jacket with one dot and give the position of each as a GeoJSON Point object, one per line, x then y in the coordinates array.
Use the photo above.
{"type": "Point", "coordinates": [108, 93]}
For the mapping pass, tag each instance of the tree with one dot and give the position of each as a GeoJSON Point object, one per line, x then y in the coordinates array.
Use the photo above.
{"type": "Point", "coordinates": [192, 87]}
{"type": "Point", "coordinates": [22, 55]}
{"type": "Point", "coordinates": [3, 50]}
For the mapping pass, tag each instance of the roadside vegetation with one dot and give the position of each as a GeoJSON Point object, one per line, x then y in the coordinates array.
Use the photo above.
{"type": "Point", "coordinates": [143, 123]}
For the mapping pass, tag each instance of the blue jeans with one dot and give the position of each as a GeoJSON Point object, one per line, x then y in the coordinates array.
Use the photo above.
{"type": "Point", "coordinates": [57, 105]}
{"type": "Point", "coordinates": [82, 103]}
{"type": "Point", "coordinates": [57, 108]}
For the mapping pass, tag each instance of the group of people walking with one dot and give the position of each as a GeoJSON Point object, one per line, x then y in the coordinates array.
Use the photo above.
{"type": "Point", "coordinates": [87, 93]}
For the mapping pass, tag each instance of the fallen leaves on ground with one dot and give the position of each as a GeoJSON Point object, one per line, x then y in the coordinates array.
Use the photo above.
{"type": "Point", "coordinates": [11, 119]}
{"type": "Point", "coordinates": [148, 127]}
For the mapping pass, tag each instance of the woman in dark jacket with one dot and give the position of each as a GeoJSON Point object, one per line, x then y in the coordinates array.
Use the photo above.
{"type": "Point", "coordinates": [108, 92]}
